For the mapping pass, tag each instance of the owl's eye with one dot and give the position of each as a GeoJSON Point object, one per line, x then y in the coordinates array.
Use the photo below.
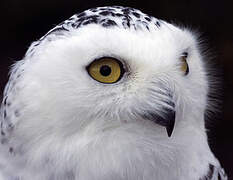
{"type": "Point", "coordinates": [106, 70]}
{"type": "Point", "coordinates": [184, 64]}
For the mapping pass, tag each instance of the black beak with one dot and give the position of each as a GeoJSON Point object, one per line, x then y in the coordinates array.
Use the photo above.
{"type": "Point", "coordinates": [167, 119]}
{"type": "Point", "coordinates": [170, 123]}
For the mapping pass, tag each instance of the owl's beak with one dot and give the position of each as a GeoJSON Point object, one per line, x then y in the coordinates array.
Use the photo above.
{"type": "Point", "coordinates": [167, 119]}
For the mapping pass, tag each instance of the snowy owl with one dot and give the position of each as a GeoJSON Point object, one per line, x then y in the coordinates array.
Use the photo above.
{"type": "Point", "coordinates": [109, 94]}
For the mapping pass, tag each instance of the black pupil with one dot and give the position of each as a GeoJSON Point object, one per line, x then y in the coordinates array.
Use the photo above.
{"type": "Point", "coordinates": [105, 70]}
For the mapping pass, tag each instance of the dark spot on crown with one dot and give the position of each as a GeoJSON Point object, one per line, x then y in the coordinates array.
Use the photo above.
{"type": "Point", "coordinates": [81, 14]}
{"type": "Point", "coordinates": [81, 19]}
{"type": "Point", "coordinates": [148, 19]}
{"type": "Point", "coordinates": [105, 13]}
{"type": "Point", "coordinates": [75, 25]}
{"type": "Point", "coordinates": [119, 15]}
{"type": "Point", "coordinates": [126, 21]}
{"type": "Point", "coordinates": [86, 22]}
{"type": "Point", "coordinates": [136, 14]}
{"type": "Point", "coordinates": [90, 20]}
{"type": "Point", "coordinates": [145, 24]}
{"type": "Point", "coordinates": [157, 24]}
{"type": "Point", "coordinates": [135, 28]}
{"type": "Point", "coordinates": [113, 14]}
{"type": "Point", "coordinates": [126, 11]}
{"type": "Point", "coordinates": [95, 17]}
{"type": "Point", "coordinates": [108, 23]}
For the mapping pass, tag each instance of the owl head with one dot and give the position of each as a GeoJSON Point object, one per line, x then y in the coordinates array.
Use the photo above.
{"type": "Point", "coordinates": [107, 72]}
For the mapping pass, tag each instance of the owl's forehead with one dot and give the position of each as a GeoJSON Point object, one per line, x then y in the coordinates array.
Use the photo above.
{"type": "Point", "coordinates": [109, 18]}
{"type": "Point", "coordinates": [115, 25]}
{"type": "Point", "coordinates": [124, 17]}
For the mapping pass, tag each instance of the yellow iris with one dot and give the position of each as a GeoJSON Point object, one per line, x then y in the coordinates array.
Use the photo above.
{"type": "Point", "coordinates": [184, 65]}
{"type": "Point", "coordinates": [105, 70]}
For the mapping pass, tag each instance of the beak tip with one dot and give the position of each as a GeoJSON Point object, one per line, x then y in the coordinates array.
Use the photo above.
{"type": "Point", "coordinates": [170, 126]}
{"type": "Point", "coordinates": [169, 131]}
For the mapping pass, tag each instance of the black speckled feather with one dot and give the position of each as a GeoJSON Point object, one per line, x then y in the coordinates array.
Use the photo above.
{"type": "Point", "coordinates": [215, 173]}
{"type": "Point", "coordinates": [107, 17]}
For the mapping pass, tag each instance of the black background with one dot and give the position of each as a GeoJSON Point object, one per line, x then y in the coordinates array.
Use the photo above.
{"type": "Point", "coordinates": [23, 21]}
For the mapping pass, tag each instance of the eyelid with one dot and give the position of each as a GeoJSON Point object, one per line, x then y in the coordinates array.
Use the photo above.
{"type": "Point", "coordinates": [184, 54]}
